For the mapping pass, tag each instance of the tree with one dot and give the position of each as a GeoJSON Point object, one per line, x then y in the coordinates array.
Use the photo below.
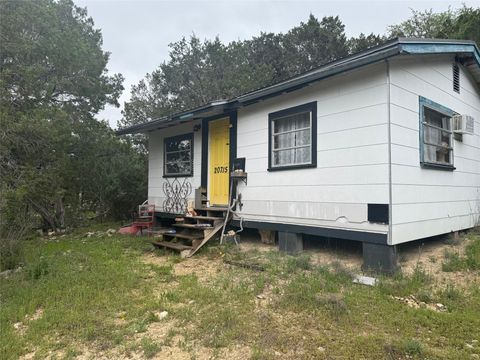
{"type": "Point", "coordinates": [198, 72]}
{"type": "Point", "coordinates": [52, 55]}
{"type": "Point", "coordinates": [313, 44]}
{"type": "Point", "coordinates": [56, 160]}
{"type": "Point", "coordinates": [463, 23]}
{"type": "Point", "coordinates": [362, 42]}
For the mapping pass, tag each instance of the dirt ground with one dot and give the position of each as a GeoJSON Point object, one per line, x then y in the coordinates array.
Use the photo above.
{"type": "Point", "coordinates": [427, 254]}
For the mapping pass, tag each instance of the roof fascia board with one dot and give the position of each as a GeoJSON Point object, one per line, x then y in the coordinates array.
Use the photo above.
{"type": "Point", "coordinates": [295, 84]}
{"type": "Point", "coordinates": [179, 117]}
{"type": "Point", "coordinates": [422, 48]}
{"type": "Point", "coordinates": [392, 48]}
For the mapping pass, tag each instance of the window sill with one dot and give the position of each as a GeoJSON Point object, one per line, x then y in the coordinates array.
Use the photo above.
{"type": "Point", "coordinates": [178, 176]}
{"type": "Point", "coordinates": [292, 167]}
{"type": "Point", "coordinates": [437, 166]}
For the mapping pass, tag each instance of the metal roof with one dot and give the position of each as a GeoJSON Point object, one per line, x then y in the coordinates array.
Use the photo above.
{"type": "Point", "coordinates": [467, 51]}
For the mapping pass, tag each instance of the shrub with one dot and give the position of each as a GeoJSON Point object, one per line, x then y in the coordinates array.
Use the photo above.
{"type": "Point", "coordinates": [14, 227]}
{"type": "Point", "coordinates": [471, 260]}
{"type": "Point", "coordinates": [412, 347]}
{"type": "Point", "coordinates": [11, 253]}
{"type": "Point", "coordinates": [473, 255]}
{"type": "Point", "coordinates": [452, 262]}
{"type": "Point", "coordinates": [38, 269]}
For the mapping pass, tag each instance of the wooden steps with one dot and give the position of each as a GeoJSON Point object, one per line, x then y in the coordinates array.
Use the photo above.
{"type": "Point", "coordinates": [184, 236]}
{"type": "Point", "coordinates": [192, 233]}
{"type": "Point", "coordinates": [192, 226]}
{"type": "Point", "coordinates": [171, 245]}
{"type": "Point", "coordinates": [213, 209]}
{"type": "Point", "coordinates": [202, 217]}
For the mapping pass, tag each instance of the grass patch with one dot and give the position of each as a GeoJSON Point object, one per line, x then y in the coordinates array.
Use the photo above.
{"type": "Point", "coordinates": [403, 285]}
{"type": "Point", "coordinates": [412, 347]}
{"type": "Point", "coordinates": [471, 261]}
{"type": "Point", "coordinates": [149, 347]}
{"type": "Point", "coordinates": [80, 284]}
{"type": "Point", "coordinates": [453, 262]}
{"type": "Point", "coordinates": [97, 292]}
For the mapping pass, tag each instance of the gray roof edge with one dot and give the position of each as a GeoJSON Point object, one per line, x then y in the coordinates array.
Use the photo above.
{"type": "Point", "coordinates": [366, 57]}
{"type": "Point", "coordinates": [378, 53]}
{"type": "Point", "coordinates": [138, 128]}
{"type": "Point", "coordinates": [392, 44]}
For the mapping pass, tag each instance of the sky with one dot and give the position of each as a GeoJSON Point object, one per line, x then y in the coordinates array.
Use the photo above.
{"type": "Point", "coordinates": [137, 33]}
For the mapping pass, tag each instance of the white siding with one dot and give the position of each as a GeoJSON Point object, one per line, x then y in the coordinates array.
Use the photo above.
{"type": "Point", "coordinates": [428, 202]}
{"type": "Point", "coordinates": [352, 155]}
{"type": "Point", "coordinates": [156, 180]}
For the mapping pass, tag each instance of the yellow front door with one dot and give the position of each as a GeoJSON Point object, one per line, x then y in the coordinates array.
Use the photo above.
{"type": "Point", "coordinates": [219, 149]}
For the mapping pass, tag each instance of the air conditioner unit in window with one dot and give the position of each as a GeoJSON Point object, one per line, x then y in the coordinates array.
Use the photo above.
{"type": "Point", "coordinates": [463, 124]}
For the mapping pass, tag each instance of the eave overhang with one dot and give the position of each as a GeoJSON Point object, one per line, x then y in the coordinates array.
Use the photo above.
{"type": "Point", "coordinates": [466, 51]}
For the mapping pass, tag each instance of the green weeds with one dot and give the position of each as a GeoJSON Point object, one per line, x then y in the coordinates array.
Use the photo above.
{"type": "Point", "coordinates": [471, 260]}
{"type": "Point", "coordinates": [97, 292]}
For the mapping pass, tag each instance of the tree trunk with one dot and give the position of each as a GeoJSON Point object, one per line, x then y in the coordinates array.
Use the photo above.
{"type": "Point", "coordinates": [60, 213]}
{"type": "Point", "coordinates": [44, 213]}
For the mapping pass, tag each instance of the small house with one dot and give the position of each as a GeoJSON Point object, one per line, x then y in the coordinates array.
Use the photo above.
{"type": "Point", "coordinates": [381, 147]}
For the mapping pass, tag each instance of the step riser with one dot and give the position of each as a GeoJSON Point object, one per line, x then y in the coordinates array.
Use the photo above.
{"type": "Point", "coordinates": [195, 236]}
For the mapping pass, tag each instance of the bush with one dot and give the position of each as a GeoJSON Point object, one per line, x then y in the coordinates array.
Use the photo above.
{"type": "Point", "coordinates": [11, 253]}
{"type": "Point", "coordinates": [38, 269]}
{"type": "Point", "coordinates": [13, 229]}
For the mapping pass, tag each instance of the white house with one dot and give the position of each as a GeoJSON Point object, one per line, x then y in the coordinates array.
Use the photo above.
{"type": "Point", "coordinates": [381, 147]}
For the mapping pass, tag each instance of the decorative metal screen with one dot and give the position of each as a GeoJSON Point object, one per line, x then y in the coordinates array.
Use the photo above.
{"type": "Point", "coordinates": [176, 192]}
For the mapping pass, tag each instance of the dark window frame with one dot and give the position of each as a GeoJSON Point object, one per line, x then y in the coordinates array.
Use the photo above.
{"type": "Point", "coordinates": [426, 103]}
{"type": "Point", "coordinates": [308, 107]}
{"type": "Point", "coordinates": [187, 136]}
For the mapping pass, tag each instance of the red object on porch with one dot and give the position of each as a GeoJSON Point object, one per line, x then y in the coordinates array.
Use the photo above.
{"type": "Point", "coordinates": [145, 218]}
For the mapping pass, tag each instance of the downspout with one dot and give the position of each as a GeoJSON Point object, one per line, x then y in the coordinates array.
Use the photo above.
{"type": "Point", "coordinates": [389, 125]}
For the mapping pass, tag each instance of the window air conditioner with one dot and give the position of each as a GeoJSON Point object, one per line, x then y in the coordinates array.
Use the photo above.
{"type": "Point", "coordinates": [463, 124]}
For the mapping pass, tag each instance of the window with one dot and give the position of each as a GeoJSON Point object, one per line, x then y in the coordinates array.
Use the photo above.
{"type": "Point", "coordinates": [436, 135]}
{"type": "Point", "coordinates": [178, 156]}
{"type": "Point", "coordinates": [293, 138]}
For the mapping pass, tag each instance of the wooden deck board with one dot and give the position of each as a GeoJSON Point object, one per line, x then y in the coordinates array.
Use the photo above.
{"type": "Point", "coordinates": [170, 245]}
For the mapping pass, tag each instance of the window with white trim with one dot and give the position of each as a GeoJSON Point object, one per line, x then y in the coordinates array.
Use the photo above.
{"type": "Point", "coordinates": [437, 149]}
{"type": "Point", "coordinates": [293, 138]}
{"type": "Point", "coordinates": [178, 156]}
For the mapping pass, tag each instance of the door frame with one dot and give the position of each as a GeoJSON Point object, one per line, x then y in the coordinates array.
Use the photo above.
{"type": "Point", "coordinates": [205, 144]}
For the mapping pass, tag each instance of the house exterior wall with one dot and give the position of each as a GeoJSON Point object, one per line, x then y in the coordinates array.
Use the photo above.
{"type": "Point", "coordinates": [352, 156]}
{"type": "Point", "coordinates": [156, 181]}
{"type": "Point", "coordinates": [428, 202]}
{"type": "Point", "coordinates": [358, 114]}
